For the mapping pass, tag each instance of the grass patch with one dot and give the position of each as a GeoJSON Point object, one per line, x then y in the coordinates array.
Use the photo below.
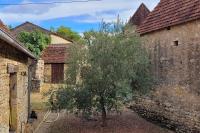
{"type": "Point", "coordinates": [38, 102]}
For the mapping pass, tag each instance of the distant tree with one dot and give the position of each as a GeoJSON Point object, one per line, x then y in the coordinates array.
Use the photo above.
{"type": "Point", "coordinates": [52, 29]}
{"type": "Point", "coordinates": [9, 27]}
{"type": "Point", "coordinates": [102, 73]}
{"type": "Point", "coordinates": [35, 41]}
{"type": "Point", "coordinates": [68, 33]}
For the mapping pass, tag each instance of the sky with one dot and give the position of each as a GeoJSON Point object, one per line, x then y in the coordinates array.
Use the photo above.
{"type": "Point", "coordinates": [79, 16]}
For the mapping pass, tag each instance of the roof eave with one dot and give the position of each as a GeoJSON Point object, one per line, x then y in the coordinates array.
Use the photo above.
{"type": "Point", "coordinates": [6, 37]}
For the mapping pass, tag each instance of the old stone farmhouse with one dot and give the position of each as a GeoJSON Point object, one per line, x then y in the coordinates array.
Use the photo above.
{"type": "Point", "coordinates": [55, 59]}
{"type": "Point", "coordinates": [15, 62]}
{"type": "Point", "coordinates": [171, 32]}
{"type": "Point", "coordinates": [51, 68]}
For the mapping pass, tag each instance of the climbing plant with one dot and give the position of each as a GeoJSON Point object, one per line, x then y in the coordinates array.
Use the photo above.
{"type": "Point", "coordinates": [35, 41]}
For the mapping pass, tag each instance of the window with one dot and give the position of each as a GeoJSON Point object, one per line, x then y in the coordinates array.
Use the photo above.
{"type": "Point", "coordinates": [168, 28]}
{"type": "Point", "coordinates": [176, 43]}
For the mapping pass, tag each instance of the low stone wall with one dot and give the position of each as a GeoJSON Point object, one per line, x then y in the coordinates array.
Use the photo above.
{"type": "Point", "coordinates": [172, 118]}
{"type": "Point", "coordinates": [168, 113]}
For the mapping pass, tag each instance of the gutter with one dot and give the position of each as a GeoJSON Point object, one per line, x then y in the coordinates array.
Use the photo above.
{"type": "Point", "coordinates": [9, 39]}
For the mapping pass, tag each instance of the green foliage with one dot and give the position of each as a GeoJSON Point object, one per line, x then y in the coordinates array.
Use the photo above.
{"type": "Point", "coordinates": [63, 98]}
{"type": "Point", "coordinates": [68, 33]}
{"type": "Point", "coordinates": [105, 71]}
{"type": "Point", "coordinates": [9, 27]}
{"type": "Point", "coordinates": [35, 41]}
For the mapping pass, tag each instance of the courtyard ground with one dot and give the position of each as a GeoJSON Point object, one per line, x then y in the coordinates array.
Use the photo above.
{"type": "Point", "coordinates": [127, 122]}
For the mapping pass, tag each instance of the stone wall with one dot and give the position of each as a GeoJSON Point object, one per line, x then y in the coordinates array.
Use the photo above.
{"type": "Point", "coordinates": [9, 55]}
{"type": "Point", "coordinates": [174, 107]}
{"type": "Point", "coordinates": [38, 75]}
{"type": "Point", "coordinates": [39, 72]}
{"type": "Point", "coordinates": [58, 40]}
{"type": "Point", "coordinates": [47, 73]}
{"type": "Point", "coordinates": [175, 54]}
{"type": "Point", "coordinates": [175, 62]}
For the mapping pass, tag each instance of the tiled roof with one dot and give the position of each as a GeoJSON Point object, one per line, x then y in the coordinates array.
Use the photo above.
{"type": "Point", "coordinates": [140, 15]}
{"type": "Point", "coordinates": [4, 27]}
{"type": "Point", "coordinates": [6, 36]}
{"type": "Point", "coordinates": [30, 27]}
{"type": "Point", "coordinates": [169, 13]}
{"type": "Point", "coordinates": [56, 53]}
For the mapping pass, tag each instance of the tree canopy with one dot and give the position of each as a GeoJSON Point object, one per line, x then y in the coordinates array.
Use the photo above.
{"type": "Point", "coordinates": [104, 73]}
{"type": "Point", "coordinates": [35, 41]}
{"type": "Point", "coordinates": [68, 33]}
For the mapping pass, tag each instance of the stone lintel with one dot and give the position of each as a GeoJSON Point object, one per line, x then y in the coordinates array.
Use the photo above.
{"type": "Point", "coordinates": [12, 68]}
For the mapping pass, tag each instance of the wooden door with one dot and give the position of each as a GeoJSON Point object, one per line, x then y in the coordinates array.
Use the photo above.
{"type": "Point", "coordinates": [57, 75]}
{"type": "Point", "coordinates": [13, 102]}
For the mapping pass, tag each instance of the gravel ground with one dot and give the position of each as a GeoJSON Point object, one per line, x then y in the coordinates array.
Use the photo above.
{"type": "Point", "coordinates": [128, 122]}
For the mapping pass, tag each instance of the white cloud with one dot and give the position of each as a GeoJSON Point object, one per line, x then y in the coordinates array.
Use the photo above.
{"type": "Point", "coordinates": [95, 10]}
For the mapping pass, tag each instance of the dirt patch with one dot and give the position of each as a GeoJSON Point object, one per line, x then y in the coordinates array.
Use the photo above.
{"type": "Point", "coordinates": [38, 101]}
{"type": "Point", "coordinates": [128, 122]}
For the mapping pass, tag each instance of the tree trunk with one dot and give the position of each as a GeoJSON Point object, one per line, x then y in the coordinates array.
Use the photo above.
{"type": "Point", "coordinates": [103, 112]}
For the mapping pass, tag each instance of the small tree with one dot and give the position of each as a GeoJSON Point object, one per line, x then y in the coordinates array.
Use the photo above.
{"type": "Point", "coordinates": [108, 67]}
{"type": "Point", "coordinates": [68, 33]}
{"type": "Point", "coordinates": [35, 41]}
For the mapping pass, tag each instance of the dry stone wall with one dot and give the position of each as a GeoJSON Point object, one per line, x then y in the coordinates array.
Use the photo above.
{"type": "Point", "coordinates": [175, 62]}
{"type": "Point", "coordinates": [175, 54]}
{"type": "Point", "coordinates": [47, 73]}
{"type": "Point", "coordinates": [38, 75]}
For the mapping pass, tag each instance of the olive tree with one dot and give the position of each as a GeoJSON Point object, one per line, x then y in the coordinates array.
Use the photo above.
{"type": "Point", "coordinates": [104, 73]}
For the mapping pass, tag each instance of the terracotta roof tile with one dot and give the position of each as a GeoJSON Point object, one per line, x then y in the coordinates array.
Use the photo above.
{"type": "Point", "coordinates": [169, 13]}
{"type": "Point", "coordinates": [140, 15]}
{"type": "Point", "coordinates": [56, 53]}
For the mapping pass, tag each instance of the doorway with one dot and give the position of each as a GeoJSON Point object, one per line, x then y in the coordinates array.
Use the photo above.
{"type": "Point", "coordinates": [13, 102]}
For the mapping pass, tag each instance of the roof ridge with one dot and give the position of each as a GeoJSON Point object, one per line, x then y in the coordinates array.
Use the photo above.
{"type": "Point", "coordinates": [170, 13]}
{"type": "Point", "coordinates": [46, 30]}
{"type": "Point", "coordinates": [140, 15]}
{"type": "Point", "coordinates": [16, 44]}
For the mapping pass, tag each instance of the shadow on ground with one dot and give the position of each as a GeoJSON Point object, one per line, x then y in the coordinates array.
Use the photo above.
{"type": "Point", "coordinates": [128, 122]}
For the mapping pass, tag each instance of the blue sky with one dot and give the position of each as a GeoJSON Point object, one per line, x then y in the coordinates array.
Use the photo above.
{"type": "Point", "coordinates": [78, 16]}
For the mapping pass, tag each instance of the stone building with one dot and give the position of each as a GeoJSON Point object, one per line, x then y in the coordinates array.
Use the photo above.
{"type": "Point", "coordinates": [52, 64]}
{"type": "Point", "coordinates": [15, 63]}
{"type": "Point", "coordinates": [171, 33]}
{"type": "Point", "coordinates": [55, 59]}
{"type": "Point", "coordinates": [30, 27]}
